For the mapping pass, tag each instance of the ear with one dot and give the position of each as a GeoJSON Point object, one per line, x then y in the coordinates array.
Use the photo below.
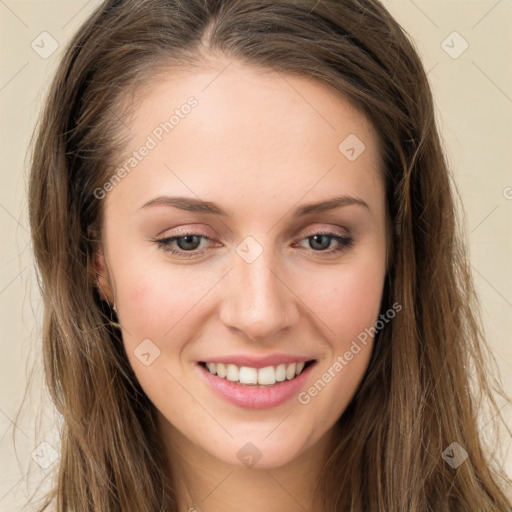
{"type": "Point", "coordinates": [100, 276]}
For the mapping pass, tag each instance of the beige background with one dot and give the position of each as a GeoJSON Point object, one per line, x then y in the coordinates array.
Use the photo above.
{"type": "Point", "coordinates": [473, 94]}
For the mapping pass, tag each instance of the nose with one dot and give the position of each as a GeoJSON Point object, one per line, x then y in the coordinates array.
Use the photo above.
{"type": "Point", "coordinates": [258, 301]}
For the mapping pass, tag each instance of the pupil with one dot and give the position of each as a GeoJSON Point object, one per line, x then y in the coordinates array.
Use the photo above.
{"type": "Point", "coordinates": [315, 240]}
{"type": "Point", "coordinates": [188, 240]}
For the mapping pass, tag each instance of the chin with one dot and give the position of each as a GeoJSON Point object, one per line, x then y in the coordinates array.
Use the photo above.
{"type": "Point", "coordinates": [258, 452]}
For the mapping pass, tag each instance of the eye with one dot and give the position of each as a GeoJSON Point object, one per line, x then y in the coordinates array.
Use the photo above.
{"type": "Point", "coordinates": [320, 242]}
{"type": "Point", "coordinates": [188, 243]}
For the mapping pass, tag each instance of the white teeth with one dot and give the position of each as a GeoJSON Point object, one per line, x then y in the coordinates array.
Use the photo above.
{"type": "Point", "coordinates": [232, 372]}
{"type": "Point", "coordinates": [221, 370]}
{"type": "Point", "coordinates": [263, 376]}
{"type": "Point", "coordinates": [281, 372]}
{"type": "Point", "coordinates": [248, 375]}
{"type": "Point", "coordinates": [290, 371]}
{"type": "Point", "coordinates": [266, 376]}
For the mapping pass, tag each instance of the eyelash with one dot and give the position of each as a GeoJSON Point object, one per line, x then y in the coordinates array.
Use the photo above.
{"type": "Point", "coordinates": [344, 242]}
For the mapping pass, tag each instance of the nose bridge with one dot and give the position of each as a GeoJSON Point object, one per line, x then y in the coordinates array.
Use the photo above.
{"type": "Point", "coordinates": [259, 304]}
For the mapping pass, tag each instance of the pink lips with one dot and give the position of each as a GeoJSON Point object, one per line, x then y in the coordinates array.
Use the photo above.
{"type": "Point", "coordinates": [254, 397]}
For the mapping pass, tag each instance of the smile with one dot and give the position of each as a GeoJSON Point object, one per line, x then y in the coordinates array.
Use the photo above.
{"type": "Point", "coordinates": [261, 386]}
{"type": "Point", "coordinates": [250, 376]}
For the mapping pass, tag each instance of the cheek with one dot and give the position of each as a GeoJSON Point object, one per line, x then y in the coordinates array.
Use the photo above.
{"type": "Point", "coordinates": [348, 304]}
{"type": "Point", "coordinates": [156, 308]}
{"type": "Point", "coordinates": [347, 300]}
{"type": "Point", "coordinates": [153, 299]}
{"type": "Point", "coordinates": [143, 302]}
{"type": "Point", "coordinates": [362, 295]}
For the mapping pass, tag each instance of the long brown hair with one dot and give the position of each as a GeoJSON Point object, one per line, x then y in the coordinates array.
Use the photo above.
{"type": "Point", "coordinates": [427, 375]}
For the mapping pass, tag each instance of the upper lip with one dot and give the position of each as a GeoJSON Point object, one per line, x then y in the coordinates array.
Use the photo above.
{"type": "Point", "coordinates": [258, 361]}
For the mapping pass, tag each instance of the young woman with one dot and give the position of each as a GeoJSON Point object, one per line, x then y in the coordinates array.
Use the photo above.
{"type": "Point", "coordinates": [256, 294]}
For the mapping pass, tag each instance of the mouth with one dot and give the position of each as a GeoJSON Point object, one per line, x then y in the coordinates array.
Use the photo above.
{"type": "Point", "coordinates": [266, 377]}
{"type": "Point", "coordinates": [256, 382]}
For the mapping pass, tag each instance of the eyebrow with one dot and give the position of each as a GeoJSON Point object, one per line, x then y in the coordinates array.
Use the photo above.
{"type": "Point", "coordinates": [195, 205]}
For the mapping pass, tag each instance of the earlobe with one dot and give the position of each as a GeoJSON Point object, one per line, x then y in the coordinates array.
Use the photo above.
{"type": "Point", "coordinates": [100, 277]}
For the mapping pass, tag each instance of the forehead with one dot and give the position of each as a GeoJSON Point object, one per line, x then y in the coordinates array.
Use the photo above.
{"type": "Point", "coordinates": [250, 131]}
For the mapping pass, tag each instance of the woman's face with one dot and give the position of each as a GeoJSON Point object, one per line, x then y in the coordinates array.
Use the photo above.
{"type": "Point", "coordinates": [260, 280]}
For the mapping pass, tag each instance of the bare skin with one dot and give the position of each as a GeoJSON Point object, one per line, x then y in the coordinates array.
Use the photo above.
{"type": "Point", "coordinates": [258, 145]}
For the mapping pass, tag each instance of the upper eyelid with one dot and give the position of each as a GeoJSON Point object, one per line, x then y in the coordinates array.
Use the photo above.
{"type": "Point", "coordinates": [327, 232]}
{"type": "Point", "coordinates": [338, 230]}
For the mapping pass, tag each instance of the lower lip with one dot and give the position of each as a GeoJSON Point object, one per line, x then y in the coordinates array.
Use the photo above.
{"type": "Point", "coordinates": [252, 397]}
